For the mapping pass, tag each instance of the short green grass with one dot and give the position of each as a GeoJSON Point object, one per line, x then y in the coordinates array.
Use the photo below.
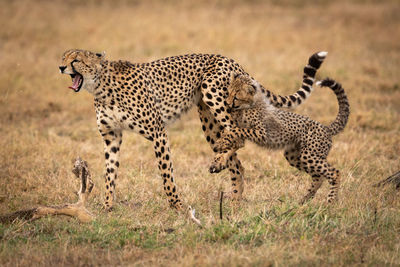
{"type": "Point", "coordinates": [362, 237]}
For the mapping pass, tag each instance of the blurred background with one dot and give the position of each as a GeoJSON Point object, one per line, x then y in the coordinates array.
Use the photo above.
{"type": "Point", "coordinates": [44, 125]}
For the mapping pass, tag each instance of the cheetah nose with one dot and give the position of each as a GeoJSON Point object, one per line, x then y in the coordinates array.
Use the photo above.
{"type": "Point", "coordinates": [62, 68]}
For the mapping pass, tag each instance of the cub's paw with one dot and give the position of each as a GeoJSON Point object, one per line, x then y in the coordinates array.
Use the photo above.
{"type": "Point", "coordinates": [221, 145]}
{"type": "Point", "coordinates": [218, 164]}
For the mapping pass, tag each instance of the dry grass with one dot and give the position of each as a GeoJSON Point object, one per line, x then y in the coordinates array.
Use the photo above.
{"type": "Point", "coordinates": [44, 126]}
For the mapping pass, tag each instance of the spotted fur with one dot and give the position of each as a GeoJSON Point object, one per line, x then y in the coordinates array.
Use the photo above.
{"type": "Point", "coordinates": [305, 141]}
{"type": "Point", "coordinates": [145, 97]}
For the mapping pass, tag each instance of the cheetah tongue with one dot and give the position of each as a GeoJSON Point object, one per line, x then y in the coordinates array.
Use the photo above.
{"type": "Point", "coordinates": [77, 80]}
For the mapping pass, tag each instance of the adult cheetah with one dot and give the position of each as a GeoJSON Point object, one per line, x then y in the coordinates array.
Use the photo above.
{"type": "Point", "coordinates": [305, 141]}
{"type": "Point", "coordinates": [145, 97]}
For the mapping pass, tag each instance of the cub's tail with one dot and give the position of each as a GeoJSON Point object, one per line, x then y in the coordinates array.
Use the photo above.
{"type": "Point", "coordinates": [344, 108]}
{"type": "Point", "coordinates": [291, 101]}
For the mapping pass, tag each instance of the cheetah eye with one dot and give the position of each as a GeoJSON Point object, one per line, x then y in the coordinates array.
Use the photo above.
{"type": "Point", "coordinates": [74, 61]}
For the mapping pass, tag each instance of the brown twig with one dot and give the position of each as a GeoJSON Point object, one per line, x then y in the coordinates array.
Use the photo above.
{"type": "Point", "coordinates": [220, 204]}
{"type": "Point", "coordinates": [395, 179]}
{"type": "Point", "coordinates": [77, 209]}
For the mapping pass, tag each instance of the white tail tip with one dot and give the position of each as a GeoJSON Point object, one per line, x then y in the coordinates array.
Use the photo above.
{"type": "Point", "coordinates": [318, 83]}
{"type": "Point", "coordinates": [322, 54]}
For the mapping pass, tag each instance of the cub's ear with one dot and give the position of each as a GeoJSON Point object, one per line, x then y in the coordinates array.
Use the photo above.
{"type": "Point", "coordinates": [101, 55]}
{"type": "Point", "coordinates": [252, 90]}
{"type": "Point", "coordinates": [234, 75]}
{"type": "Point", "coordinates": [256, 86]}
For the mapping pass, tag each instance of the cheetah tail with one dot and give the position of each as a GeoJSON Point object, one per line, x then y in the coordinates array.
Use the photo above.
{"type": "Point", "coordinates": [291, 101]}
{"type": "Point", "coordinates": [344, 108]}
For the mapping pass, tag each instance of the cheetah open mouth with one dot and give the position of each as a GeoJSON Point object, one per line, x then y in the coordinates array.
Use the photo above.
{"type": "Point", "coordinates": [77, 81]}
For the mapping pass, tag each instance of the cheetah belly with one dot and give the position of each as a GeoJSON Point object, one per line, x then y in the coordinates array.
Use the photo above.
{"type": "Point", "coordinates": [172, 106]}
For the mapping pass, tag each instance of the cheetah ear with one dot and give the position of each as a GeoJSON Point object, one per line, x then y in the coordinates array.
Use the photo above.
{"type": "Point", "coordinates": [101, 55]}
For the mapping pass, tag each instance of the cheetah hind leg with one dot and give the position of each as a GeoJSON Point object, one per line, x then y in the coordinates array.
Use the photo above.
{"type": "Point", "coordinates": [324, 171]}
{"type": "Point", "coordinates": [293, 156]}
{"type": "Point", "coordinates": [315, 185]}
{"type": "Point", "coordinates": [334, 180]}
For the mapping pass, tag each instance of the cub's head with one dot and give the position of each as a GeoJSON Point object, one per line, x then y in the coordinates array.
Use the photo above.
{"type": "Point", "coordinates": [83, 67]}
{"type": "Point", "coordinates": [241, 92]}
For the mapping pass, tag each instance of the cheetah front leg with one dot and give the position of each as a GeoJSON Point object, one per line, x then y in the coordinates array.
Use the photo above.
{"type": "Point", "coordinates": [112, 142]}
{"type": "Point", "coordinates": [163, 155]}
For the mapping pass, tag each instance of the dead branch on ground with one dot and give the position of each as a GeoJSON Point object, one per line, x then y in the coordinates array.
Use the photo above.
{"type": "Point", "coordinates": [77, 209]}
{"type": "Point", "coordinates": [394, 179]}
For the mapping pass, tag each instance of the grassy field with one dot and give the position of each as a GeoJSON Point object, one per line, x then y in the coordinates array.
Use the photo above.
{"type": "Point", "coordinates": [44, 126]}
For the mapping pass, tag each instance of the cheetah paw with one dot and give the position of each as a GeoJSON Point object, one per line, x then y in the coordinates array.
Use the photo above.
{"type": "Point", "coordinates": [215, 169]}
{"type": "Point", "coordinates": [108, 208]}
{"type": "Point", "coordinates": [217, 165]}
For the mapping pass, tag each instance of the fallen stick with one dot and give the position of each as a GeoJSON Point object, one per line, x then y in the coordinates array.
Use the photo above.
{"type": "Point", "coordinates": [395, 179]}
{"type": "Point", "coordinates": [77, 209]}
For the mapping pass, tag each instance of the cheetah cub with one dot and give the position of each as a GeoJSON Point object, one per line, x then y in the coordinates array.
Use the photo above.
{"type": "Point", "coordinates": [306, 142]}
